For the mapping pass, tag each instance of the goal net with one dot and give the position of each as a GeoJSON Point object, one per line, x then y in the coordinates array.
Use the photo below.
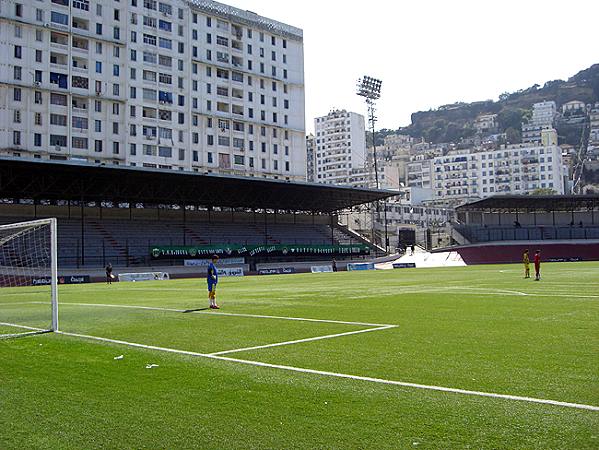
{"type": "Point", "coordinates": [28, 278]}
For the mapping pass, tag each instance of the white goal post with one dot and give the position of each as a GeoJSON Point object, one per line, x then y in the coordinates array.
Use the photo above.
{"type": "Point", "coordinates": [28, 277]}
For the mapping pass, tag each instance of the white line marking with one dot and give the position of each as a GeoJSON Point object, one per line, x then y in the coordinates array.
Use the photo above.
{"type": "Point", "coordinates": [298, 341]}
{"type": "Point", "coordinates": [218, 313]}
{"type": "Point", "coordinates": [329, 374]}
{"type": "Point", "coordinates": [342, 375]}
{"type": "Point", "coordinates": [6, 324]}
{"type": "Point", "coordinates": [14, 325]}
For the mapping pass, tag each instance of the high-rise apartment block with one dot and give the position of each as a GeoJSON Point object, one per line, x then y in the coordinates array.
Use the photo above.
{"type": "Point", "coordinates": [340, 147]}
{"type": "Point", "coordinates": [185, 85]}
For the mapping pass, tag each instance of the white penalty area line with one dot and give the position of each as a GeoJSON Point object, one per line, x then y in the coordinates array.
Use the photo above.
{"type": "Point", "coordinates": [298, 341]}
{"type": "Point", "coordinates": [373, 327]}
{"type": "Point", "coordinates": [220, 313]}
{"type": "Point", "coordinates": [331, 374]}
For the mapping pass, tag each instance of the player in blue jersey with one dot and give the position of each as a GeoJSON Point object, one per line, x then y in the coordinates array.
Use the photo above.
{"type": "Point", "coordinates": [212, 278]}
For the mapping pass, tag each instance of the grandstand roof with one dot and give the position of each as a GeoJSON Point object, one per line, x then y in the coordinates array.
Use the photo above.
{"type": "Point", "coordinates": [67, 180]}
{"type": "Point", "coordinates": [533, 203]}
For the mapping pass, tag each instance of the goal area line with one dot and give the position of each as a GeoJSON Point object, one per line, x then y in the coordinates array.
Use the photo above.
{"type": "Point", "coordinates": [324, 373]}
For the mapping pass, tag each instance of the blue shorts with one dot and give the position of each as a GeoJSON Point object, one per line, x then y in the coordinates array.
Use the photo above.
{"type": "Point", "coordinates": [211, 287]}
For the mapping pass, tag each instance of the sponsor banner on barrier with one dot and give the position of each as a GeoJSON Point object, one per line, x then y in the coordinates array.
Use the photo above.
{"type": "Point", "coordinates": [203, 251]}
{"type": "Point", "coordinates": [564, 259]}
{"type": "Point", "coordinates": [360, 266]}
{"type": "Point", "coordinates": [64, 279]}
{"type": "Point", "coordinates": [143, 276]}
{"type": "Point", "coordinates": [404, 265]}
{"type": "Point", "coordinates": [321, 269]}
{"type": "Point", "coordinates": [230, 271]}
{"type": "Point", "coordinates": [277, 271]}
{"type": "Point", "coordinates": [206, 262]}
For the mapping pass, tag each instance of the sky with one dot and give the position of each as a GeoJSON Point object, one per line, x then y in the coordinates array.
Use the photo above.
{"type": "Point", "coordinates": [433, 52]}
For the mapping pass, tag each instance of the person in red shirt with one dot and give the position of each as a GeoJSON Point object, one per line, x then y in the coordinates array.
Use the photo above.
{"type": "Point", "coordinates": [538, 265]}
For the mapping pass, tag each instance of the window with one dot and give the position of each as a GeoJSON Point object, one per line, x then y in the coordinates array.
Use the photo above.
{"type": "Point", "coordinates": [37, 140]}
{"type": "Point", "coordinates": [16, 138]}
{"type": "Point", "coordinates": [59, 18]}
{"type": "Point", "coordinates": [165, 26]}
{"type": "Point", "coordinates": [132, 149]}
{"type": "Point", "coordinates": [79, 122]}
{"type": "Point", "coordinates": [16, 117]}
{"type": "Point", "coordinates": [238, 160]}
{"type": "Point", "coordinates": [17, 73]}
{"type": "Point", "coordinates": [149, 39]}
{"type": "Point", "coordinates": [115, 148]}
{"type": "Point", "coordinates": [16, 95]}
{"type": "Point", "coordinates": [57, 140]}
{"type": "Point", "coordinates": [165, 152]}
{"type": "Point", "coordinates": [18, 52]}
{"type": "Point", "coordinates": [165, 43]}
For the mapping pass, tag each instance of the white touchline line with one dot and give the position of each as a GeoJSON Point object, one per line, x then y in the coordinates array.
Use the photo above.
{"type": "Point", "coordinates": [298, 341]}
{"type": "Point", "coordinates": [343, 375]}
{"type": "Point", "coordinates": [219, 313]}
{"type": "Point", "coordinates": [325, 373]}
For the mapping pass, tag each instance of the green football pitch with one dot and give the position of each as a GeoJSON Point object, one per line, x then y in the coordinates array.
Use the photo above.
{"type": "Point", "coordinates": [473, 357]}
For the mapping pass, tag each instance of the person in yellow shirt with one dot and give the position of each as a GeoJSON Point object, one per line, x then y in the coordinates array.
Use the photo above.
{"type": "Point", "coordinates": [526, 261]}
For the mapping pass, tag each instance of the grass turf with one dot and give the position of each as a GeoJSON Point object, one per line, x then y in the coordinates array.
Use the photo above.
{"type": "Point", "coordinates": [470, 328]}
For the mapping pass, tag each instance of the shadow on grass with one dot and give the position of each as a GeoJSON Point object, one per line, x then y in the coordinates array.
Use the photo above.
{"type": "Point", "coordinates": [194, 310]}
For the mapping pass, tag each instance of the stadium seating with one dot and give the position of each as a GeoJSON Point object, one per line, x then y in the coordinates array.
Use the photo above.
{"type": "Point", "coordinates": [128, 242]}
{"type": "Point", "coordinates": [476, 234]}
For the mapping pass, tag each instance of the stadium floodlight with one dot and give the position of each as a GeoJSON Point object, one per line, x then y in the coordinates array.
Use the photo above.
{"type": "Point", "coordinates": [28, 258]}
{"type": "Point", "coordinates": [370, 88]}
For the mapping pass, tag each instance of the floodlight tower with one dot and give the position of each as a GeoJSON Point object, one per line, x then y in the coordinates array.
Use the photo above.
{"type": "Point", "coordinates": [370, 88]}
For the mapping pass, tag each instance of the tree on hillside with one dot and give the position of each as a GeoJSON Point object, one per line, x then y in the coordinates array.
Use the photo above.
{"type": "Point", "coordinates": [544, 191]}
{"type": "Point", "coordinates": [513, 135]}
{"type": "Point", "coordinates": [510, 118]}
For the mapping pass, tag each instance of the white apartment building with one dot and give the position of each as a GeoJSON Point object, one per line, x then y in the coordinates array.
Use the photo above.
{"type": "Point", "coordinates": [463, 175]}
{"type": "Point", "coordinates": [543, 115]}
{"type": "Point", "coordinates": [175, 84]}
{"type": "Point", "coordinates": [340, 147]}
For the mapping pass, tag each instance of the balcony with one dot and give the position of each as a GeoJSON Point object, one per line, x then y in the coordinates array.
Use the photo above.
{"type": "Point", "coordinates": [58, 40]}
{"type": "Point", "coordinates": [80, 24]}
{"type": "Point", "coordinates": [80, 45]}
{"type": "Point", "coordinates": [237, 31]}
{"type": "Point", "coordinates": [58, 59]}
{"type": "Point", "coordinates": [80, 83]}
{"type": "Point", "coordinates": [79, 65]}
{"type": "Point", "coordinates": [79, 104]}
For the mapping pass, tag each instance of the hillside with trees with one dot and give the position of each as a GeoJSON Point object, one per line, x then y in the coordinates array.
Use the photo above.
{"type": "Point", "coordinates": [454, 122]}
